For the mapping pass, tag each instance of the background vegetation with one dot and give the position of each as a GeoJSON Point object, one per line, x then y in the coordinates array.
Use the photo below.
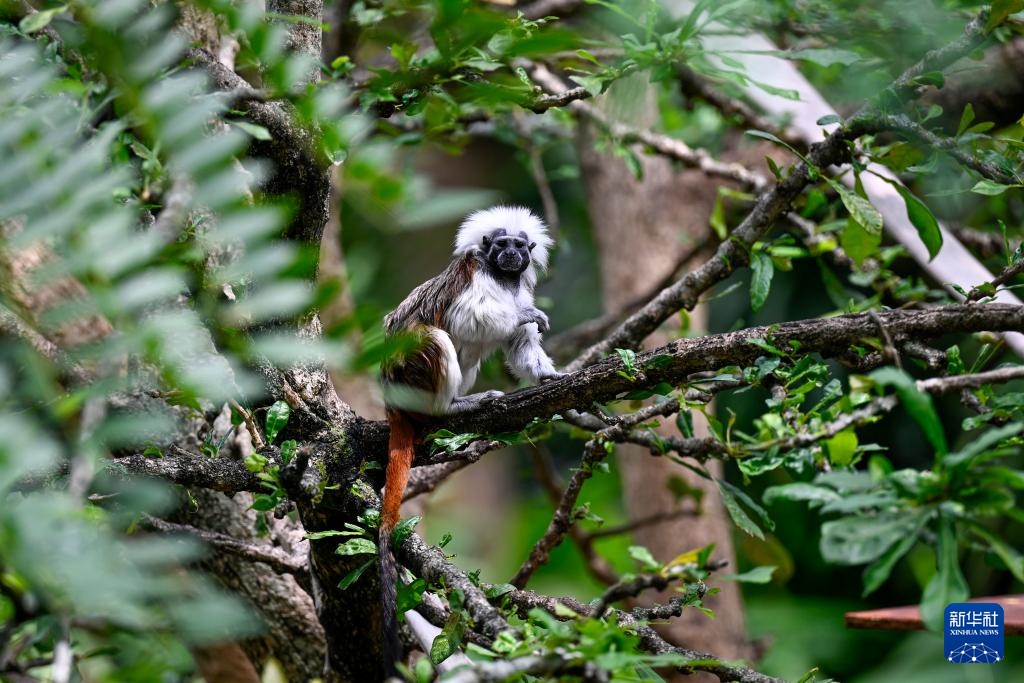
{"type": "Point", "coordinates": [207, 207]}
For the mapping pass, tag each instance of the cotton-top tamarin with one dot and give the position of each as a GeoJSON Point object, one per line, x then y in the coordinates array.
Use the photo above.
{"type": "Point", "coordinates": [481, 302]}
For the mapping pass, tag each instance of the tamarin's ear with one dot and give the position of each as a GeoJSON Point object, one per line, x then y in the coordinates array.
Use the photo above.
{"type": "Point", "coordinates": [532, 245]}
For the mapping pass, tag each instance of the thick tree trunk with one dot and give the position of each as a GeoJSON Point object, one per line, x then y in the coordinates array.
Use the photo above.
{"type": "Point", "coordinates": [642, 227]}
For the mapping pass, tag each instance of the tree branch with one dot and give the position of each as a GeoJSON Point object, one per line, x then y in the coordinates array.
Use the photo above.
{"type": "Point", "coordinates": [430, 563]}
{"type": "Point", "coordinates": [830, 337]}
{"type": "Point", "coordinates": [525, 600]}
{"type": "Point", "coordinates": [664, 145]}
{"type": "Point", "coordinates": [770, 205]}
{"type": "Point", "coordinates": [191, 469]}
{"type": "Point", "coordinates": [901, 123]}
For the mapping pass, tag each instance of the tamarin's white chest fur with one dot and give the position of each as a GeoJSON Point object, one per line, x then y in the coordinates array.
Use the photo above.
{"type": "Point", "coordinates": [485, 315]}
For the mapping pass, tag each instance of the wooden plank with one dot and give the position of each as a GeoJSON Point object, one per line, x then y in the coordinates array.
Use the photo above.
{"type": "Point", "coordinates": [908, 618]}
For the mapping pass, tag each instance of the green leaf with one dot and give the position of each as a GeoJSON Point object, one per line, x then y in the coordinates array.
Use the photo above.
{"type": "Point", "coordinates": [923, 219]}
{"type": "Point", "coordinates": [39, 20]}
{"type": "Point", "coordinates": [965, 119]}
{"type": "Point", "coordinates": [450, 441]}
{"type": "Point", "coordinates": [773, 138]}
{"type": "Point", "coordinates": [860, 209]}
{"type": "Point", "coordinates": [983, 443]}
{"type": "Point", "coordinates": [256, 131]}
{"type": "Point", "coordinates": [261, 502]}
{"type": "Point", "coordinates": [876, 574]}
{"type": "Point", "coordinates": [858, 243]}
{"type": "Point", "coordinates": [403, 530]}
{"type": "Point", "coordinates": [254, 462]}
{"type": "Point", "coordinates": [842, 447]}
{"type": "Point", "coordinates": [916, 402]}
{"type": "Point", "coordinates": [761, 280]}
{"type": "Point", "coordinates": [354, 575]}
{"type": "Point", "coordinates": [1000, 10]}
{"type": "Point", "coordinates": [858, 540]}
{"type": "Point", "coordinates": [357, 546]}
{"type": "Point", "coordinates": [496, 590]}
{"type": "Point", "coordinates": [989, 188]}
{"type": "Point", "coordinates": [731, 497]}
{"type": "Point", "coordinates": [448, 640]}
{"type": "Point", "coordinates": [277, 418]}
{"type": "Point", "coordinates": [800, 491]}
{"type": "Point", "coordinates": [828, 119]}
{"type": "Point", "coordinates": [288, 450]}
{"type": "Point", "coordinates": [592, 84]}
{"type": "Point", "coordinates": [755, 575]}
{"type": "Point", "coordinates": [644, 557]}
{"type": "Point", "coordinates": [1008, 554]}
{"type": "Point", "coordinates": [317, 535]}
{"type": "Point", "coordinates": [717, 218]}
{"type": "Point", "coordinates": [628, 358]}
{"type": "Point", "coordinates": [823, 56]}
{"type": "Point", "coordinates": [410, 596]}
{"type": "Point", "coordinates": [948, 585]}
{"type": "Point", "coordinates": [787, 93]}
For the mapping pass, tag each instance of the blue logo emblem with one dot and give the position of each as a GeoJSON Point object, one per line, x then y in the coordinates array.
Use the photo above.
{"type": "Point", "coordinates": [974, 633]}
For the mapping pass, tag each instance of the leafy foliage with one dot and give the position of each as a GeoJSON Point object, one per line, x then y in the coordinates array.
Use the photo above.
{"type": "Point", "coordinates": [151, 273]}
{"type": "Point", "coordinates": [123, 219]}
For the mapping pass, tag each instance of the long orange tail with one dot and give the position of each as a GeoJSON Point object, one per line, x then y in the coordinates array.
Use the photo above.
{"type": "Point", "coordinates": [400, 454]}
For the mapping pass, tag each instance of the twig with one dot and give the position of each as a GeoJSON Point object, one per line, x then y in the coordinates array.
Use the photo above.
{"type": "Point", "coordinates": [770, 205]}
{"type": "Point", "coordinates": [901, 123]}
{"type": "Point", "coordinates": [595, 563]}
{"type": "Point", "coordinates": [563, 517]}
{"type": "Point", "coordinates": [947, 385]}
{"type": "Point", "coordinates": [276, 559]}
{"type": "Point", "coordinates": [933, 358]}
{"type": "Point", "coordinates": [547, 197]}
{"type": "Point", "coordinates": [884, 404]}
{"type": "Point", "coordinates": [650, 641]}
{"type": "Point", "coordinates": [640, 523]}
{"type": "Point", "coordinates": [430, 563]}
{"type": "Point", "coordinates": [890, 348]}
{"type": "Point", "coordinates": [250, 425]}
{"type": "Point", "coordinates": [662, 144]}
{"type": "Point", "coordinates": [698, 448]}
{"type": "Point", "coordinates": [984, 242]}
{"type": "Point", "coordinates": [547, 666]}
{"type": "Point", "coordinates": [425, 478]}
{"type": "Point", "coordinates": [630, 589]}
{"type": "Point", "coordinates": [1005, 276]}
{"type": "Point", "coordinates": [701, 87]}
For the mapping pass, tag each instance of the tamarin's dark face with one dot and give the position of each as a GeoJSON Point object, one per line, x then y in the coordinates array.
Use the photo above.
{"type": "Point", "coordinates": [508, 253]}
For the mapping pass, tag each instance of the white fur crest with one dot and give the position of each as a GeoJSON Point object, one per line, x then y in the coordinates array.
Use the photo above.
{"type": "Point", "coordinates": [515, 219]}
